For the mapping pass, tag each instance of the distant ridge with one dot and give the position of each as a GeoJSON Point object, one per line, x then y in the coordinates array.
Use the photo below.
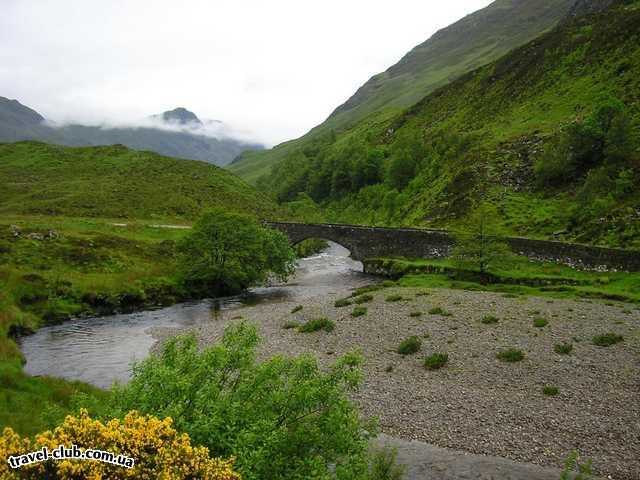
{"type": "Point", "coordinates": [19, 122]}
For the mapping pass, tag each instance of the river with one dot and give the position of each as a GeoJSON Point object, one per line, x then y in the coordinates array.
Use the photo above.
{"type": "Point", "coordinates": [100, 350]}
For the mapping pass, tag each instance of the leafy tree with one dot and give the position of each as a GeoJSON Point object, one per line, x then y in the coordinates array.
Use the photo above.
{"type": "Point", "coordinates": [285, 418]}
{"type": "Point", "coordinates": [603, 138]}
{"type": "Point", "coordinates": [227, 252]}
{"type": "Point", "coordinates": [480, 248]}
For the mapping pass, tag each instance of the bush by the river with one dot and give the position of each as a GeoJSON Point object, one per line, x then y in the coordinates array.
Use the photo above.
{"type": "Point", "coordinates": [284, 418]}
{"type": "Point", "coordinates": [227, 252]}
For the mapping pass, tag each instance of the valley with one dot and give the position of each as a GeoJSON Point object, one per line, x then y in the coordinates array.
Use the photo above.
{"type": "Point", "coordinates": [438, 281]}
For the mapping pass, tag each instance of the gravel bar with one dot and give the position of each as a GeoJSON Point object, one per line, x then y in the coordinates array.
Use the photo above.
{"type": "Point", "coordinates": [476, 403]}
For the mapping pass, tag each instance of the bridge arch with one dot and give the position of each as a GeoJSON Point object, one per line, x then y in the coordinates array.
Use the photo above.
{"type": "Point", "coordinates": [370, 242]}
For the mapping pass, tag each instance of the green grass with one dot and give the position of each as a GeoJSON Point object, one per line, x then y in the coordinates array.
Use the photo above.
{"type": "Point", "coordinates": [424, 69]}
{"type": "Point", "coordinates": [343, 302]}
{"type": "Point", "coordinates": [116, 182]}
{"type": "Point", "coordinates": [439, 311]}
{"type": "Point", "coordinates": [607, 339]}
{"type": "Point", "coordinates": [27, 403]}
{"type": "Point", "coordinates": [540, 322]}
{"type": "Point", "coordinates": [510, 355]}
{"type": "Point", "coordinates": [563, 348]}
{"type": "Point", "coordinates": [363, 299]}
{"type": "Point", "coordinates": [550, 391]}
{"type": "Point", "coordinates": [489, 319]}
{"type": "Point", "coordinates": [359, 312]}
{"type": "Point", "coordinates": [495, 121]}
{"type": "Point", "coordinates": [316, 325]}
{"type": "Point", "coordinates": [394, 298]}
{"type": "Point", "coordinates": [523, 277]}
{"type": "Point", "coordinates": [436, 361]}
{"type": "Point", "coordinates": [409, 346]}
{"type": "Point", "coordinates": [61, 253]}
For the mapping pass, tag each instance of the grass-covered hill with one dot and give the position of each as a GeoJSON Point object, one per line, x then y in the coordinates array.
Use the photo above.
{"type": "Point", "coordinates": [116, 182]}
{"type": "Point", "coordinates": [79, 235]}
{"type": "Point", "coordinates": [473, 41]}
{"type": "Point", "coordinates": [547, 134]}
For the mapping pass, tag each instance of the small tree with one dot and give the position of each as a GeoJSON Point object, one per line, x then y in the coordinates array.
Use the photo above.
{"type": "Point", "coordinates": [227, 252]}
{"type": "Point", "coordinates": [283, 418]}
{"type": "Point", "coordinates": [479, 248]}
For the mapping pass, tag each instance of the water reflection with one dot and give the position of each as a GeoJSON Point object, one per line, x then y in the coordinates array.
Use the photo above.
{"type": "Point", "coordinates": [99, 350]}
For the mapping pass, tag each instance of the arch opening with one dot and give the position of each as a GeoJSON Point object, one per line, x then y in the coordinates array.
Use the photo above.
{"type": "Point", "coordinates": [318, 250]}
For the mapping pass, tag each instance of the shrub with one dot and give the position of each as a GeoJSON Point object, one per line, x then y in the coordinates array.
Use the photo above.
{"type": "Point", "coordinates": [359, 312]}
{"type": "Point", "coordinates": [297, 309]}
{"type": "Point", "coordinates": [409, 346]}
{"type": "Point", "coordinates": [384, 465]}
{"type": "Point", "coordinates": [343, 302]}
{"type": "Point", "coordinates": [439, 311]}
{"type": "Point", "coordinates": [540, 323]}
{"type": "Point", "coordinates": [394, 298]}
{"type": "Point", "coordinates": [159, 451]}
{"type": "Point", "coordinates": [574, 470]}
{"type": "Point", "coordinates": [510, 355]}
{"type": "Point", "coordinates": [489, 319]}
{"type": "Point", "coordinates": [415, 314]}
{"type": "Point", "coordinates": [436, 361]}
{"type": "Point", "coordinates": [284, 417]}
{"type": "Point", "coordinates": [607, 339]}
{"type": "Point", "coordinates": [550, 391]}
{"type": "Point", "coordinates": [563, 348]}
{"type": "Point", "coordinates": [367, 289]}
{"type": "Point", "coordinates": [226, 252]}
{"type": "Point", "coordinates": [363, 299]}
{"type": "Point", "coordinates": [317, 324]}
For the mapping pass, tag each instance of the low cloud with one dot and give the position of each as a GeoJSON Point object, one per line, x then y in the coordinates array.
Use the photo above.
{"type": "Point", "coordinates": [207, 128]}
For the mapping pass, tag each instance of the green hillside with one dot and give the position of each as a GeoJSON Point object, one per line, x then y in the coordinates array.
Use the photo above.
{"type": "Point", "coordinates": [548, 135]}
{"type": "Point", "coordinates": [116, 182]}
{"type": "Point", "coordinates": [469, 43]}
{"type": "Point", "coordinates": [80, 235]}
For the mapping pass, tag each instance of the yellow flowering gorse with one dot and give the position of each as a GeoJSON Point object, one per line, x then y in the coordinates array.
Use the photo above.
{"type": "Point", "coordinates": [158, 450]}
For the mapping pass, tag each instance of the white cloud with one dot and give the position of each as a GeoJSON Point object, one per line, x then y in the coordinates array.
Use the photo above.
{"type": "Point", "coordinates": [274, 69]}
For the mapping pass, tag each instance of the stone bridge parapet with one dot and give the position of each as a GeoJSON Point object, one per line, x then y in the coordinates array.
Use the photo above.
{"type": "Point", "coordinates": [371, 242]}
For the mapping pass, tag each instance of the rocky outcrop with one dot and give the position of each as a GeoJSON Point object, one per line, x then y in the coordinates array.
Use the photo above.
{"type": "Point", "coordinates": [588, 7]}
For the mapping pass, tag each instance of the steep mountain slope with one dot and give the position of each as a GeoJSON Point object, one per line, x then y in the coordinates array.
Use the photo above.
{"type": "Point", "coordinates": [547, 136]}
{"type": "Point", "coordinates": [116, 182]}
{"type": "Point", "coordinates": [18, 122]}
{"type": "Point", "coordinates": [467, 44]}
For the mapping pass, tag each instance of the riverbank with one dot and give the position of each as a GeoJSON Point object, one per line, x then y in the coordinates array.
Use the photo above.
{"type": "Point", "coordinates": [477, 403]}
{"type": "Point", "coordinates": [56, 268]}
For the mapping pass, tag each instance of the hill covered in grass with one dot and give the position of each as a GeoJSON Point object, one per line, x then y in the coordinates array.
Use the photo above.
{"type": "Point", "coordinates": [473, 41]}
{"type": "Point", "coordinates": [117, 182]}
{"type": "Point", "coordinates": [547, 135]}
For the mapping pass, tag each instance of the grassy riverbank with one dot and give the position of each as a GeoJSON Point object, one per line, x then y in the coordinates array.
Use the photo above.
{"type": "Point", "coordinates": [522, 277]}
{"type": "Point", "coordinates": [54, 268]}
{"type": "Point", "coordinates": [77, 237]}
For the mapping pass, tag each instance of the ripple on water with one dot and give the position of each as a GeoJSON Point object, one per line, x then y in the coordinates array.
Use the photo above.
{"type": "Point", "coordinates": [100, 350]}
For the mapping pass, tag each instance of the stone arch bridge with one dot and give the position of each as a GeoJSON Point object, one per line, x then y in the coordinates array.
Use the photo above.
{"type": "Point", "coordinates": [371, 242]}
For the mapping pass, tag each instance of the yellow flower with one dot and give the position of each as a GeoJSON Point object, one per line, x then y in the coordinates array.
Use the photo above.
{"type": "Point", "coordinates": [158, 450]}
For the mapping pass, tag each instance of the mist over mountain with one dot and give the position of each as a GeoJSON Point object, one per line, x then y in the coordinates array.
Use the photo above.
{"type": "Point", "coordinates": [177, 133]}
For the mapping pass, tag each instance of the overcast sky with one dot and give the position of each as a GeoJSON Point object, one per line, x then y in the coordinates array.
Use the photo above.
{"type": "Point", "coordinates": [271, 68]}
